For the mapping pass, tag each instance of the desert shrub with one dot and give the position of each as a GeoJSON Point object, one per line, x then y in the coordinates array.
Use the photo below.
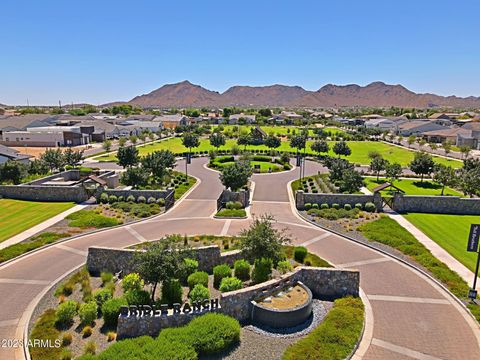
{"type": "Point", "coordinates": [198, 277]}
{"type": "Point", "coordinates": [308, 206]}
{"type": "Point", "coordinates": [300, 253]}
{"type": "Point", "coordinates": [161, 201]}
{"type": "Point", "coordinates": [104, 198]}
{"type": "Point", "coordinates": [314, 206]}
{"type": "Point", "coordinates": [67, 339]}
{"type": "Point", "coordinates": [66, 354]}
{"type": "Point", "coordinates": [172, 292]}
{"type": "Point", "coordinates": [87, 331]}
{"type": "Point", "coordinates": [230, 284]}
{"type": "Point", "coordinates": [130, 198]}
{"type": "Point", "coordinates": [102, 295]}
{"type": "Point", "coordinates": [88, 312]}
{"type": "Point", "coordinates": [151, 200]}
{"type": "Point", "coordinates": [242, 269]}
{"type": "Point", "coordinates": [111, 310]}
{"type": "Point", "coordinates": [262, 270]}
{"type": "Point", "coordinates": [199, 293]}
{"type": "Point", "coordinates": [370, 207]}
{"type": "Point", "coordinates": [90, 348]}
{"type": "Point", "coordinates": [190, 266]}
{"type": "Point", "coordinates": [324, 206]}
{"type": "Point", "coordinates": [141, 200]}
{"type": "Point", "coordinates": [66, 311]}
{"type": "Point", "coordinates": [220, 272]}
{"type": "Point", "coordinates": [111, 335]}
{"type": "Point", "coordinates": [112, 199]}
{"type": "Point", "coordinates": [132, 281]}
{"type": "Point", "coordinates": [106, 277]}
{"type": "Point", "coordinates": [358, 206]}
{"type": "Point", "coordinates": [121, 198]}
{"type": "Point", "coordinates": [137, 297]}
{"type": "Point", "coordinates": [284, 266]}
{"type": "Point", "coordinates": [335, 206]}
{"type": "Point", "coordinates": [347, 207]}
{"type": "Point", "coordinates": [234, 205]}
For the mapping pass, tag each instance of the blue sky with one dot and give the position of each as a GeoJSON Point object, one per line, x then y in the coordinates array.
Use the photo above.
{"type": "Point", "coordinates": [101, 51]}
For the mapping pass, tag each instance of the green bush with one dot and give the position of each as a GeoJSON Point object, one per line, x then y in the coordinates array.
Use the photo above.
{"type": "Point", "coordinates": [308, 206]}
{"type": "Point", "coordinates": [370, 207]}
{"type": "Point", "coordinates": [102, 295]}
{"type": "Point", "coordinates": [137, 297]}
{"type": "Point", "coordinates": [120, 199]}
{"type": "Point", "coordinates": [106, 277]}
{"type": "Point", "coordinates": [111, 310]}
{"type": "Point", "coordinates": [324, 206]}
{"type": "Point", "coordinates": [234, 205]}
{"type": "Point", "coordinates": [230, 284]}
{"type": "Point", "coordinates": [130, 198]}
{"type": "Point", "coordinates": [220, 272]}
{"type": "Point", "coordinates": [112, 199]}
{"type": "Point", "coordinates": [132, 281]}
{"type": "Point", "coordinates": [242, 270]}
{"type": "Point", "coordinates": [172, 292]}
{"type": "Point", "coordinates": [141, 200]}
{"type": "Point", "coordinates": [300, 253]}
{"type": "Point", "coordinates": [198, 277]}
{"type": "Point", "coordinates": [335, 206]}
{"type": "Point", "coordinates": [104, 198]}
{"type": "Point", "coordinates": [314, 206]}
{"type": "Point", "coordinates": [284, 266]}
{"type": "Point", "coordinates": [66, 311]}
{"type": "Point", "coordinates": [151, 200]}
{"type": "Point", "coordinates": [161, 202]}
{"type": "Point", "coordinates": [90, 219]}
{"type": "Point", "coordinates": [358, 206]}
{"type": "Point", "coordinates": [347, 207]}
{"type": "Point", "coordinates": [199, 293]}
{"type": "Point", "coordinates": [190, 266]}
{"type": "Point", "coordinates": [262, 270]}
{"type": "Point", "coordinates": [88, 312]}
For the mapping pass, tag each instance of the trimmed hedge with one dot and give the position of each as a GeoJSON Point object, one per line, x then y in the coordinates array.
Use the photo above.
{"type": "Point", "coordinates": [66, 311]}
{"type": "Point", "coordinates": [220, 272]}
{"type": "Point", "coordinates": [242, 269]}
{"type": "Point", "coordinates": [198, 277]}
{"type": "Point", "coordinates": [300, 253]}
{"type": "Point", "coordinates": [230, 284]}
{"type": "Point", "coordinates": [171, 292]}
{"type": "Point", "coordinates": [111, 310]}
{"type": "Point", "coordinates": [88, 312]}
{"type": "Point", "coordinates": [262, 270]}
{"type": "Point", "coordinates": [199, 293]}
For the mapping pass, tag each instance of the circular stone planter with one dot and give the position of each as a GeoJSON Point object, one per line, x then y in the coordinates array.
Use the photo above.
{"type": "Point", "coordinates": [269, 315]}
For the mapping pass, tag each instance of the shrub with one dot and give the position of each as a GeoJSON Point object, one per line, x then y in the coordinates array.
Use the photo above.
{"type": "Point", "coordinates": [106, 277]}
{"type": "Point", "coordinates": [172, 292]}
{"type": "Point", "coordinates": [314, 206]}
{"type": "Point", "coordinates": [151, 200]}
{"type": "Point", "coordinates": [347, 207]}
{"type": "Point", "coordinates": [112, 199]}
{"type": "Point", "coordinates": [242, 270]}
{"type": "Point", "coordinates": [141, 200]}
{"type": "Point", "coordinates": [230, 284]}
{"type": "Point", "coordinates": [308, 206]}
{"type": "Point", "coordinates": [234, 205]}
{"type": "Point", "coordinates": [66, 311]}
{"type": "Point", "coordinates": [110, 286]}
{"type": "Point", "coordinates": [90, 348]}
{"type": "Point", "coordinates": [120, 199]}
{"type": "Point", "coordinates": [335, 206]}
{"type": "Point", "coordinates": [87, 331]}
{"type": "Point", "coordinates": [262, 270]}
{"type": "Point", "coordinates": [190, 266]}
{"type": "Point", "coordinates": [198, 277]}
{"type": "Point", "coordinates": [199, 293]}
{"type": "Point", "coordinates": [137, 297]}
{"type": "Point", "coordinates": [111, 335]}
{"type": "Point", "coordinates": [284, 266]}
{"type": "Point", "coordinates": [220, 272]}
{"type": "Point", "coordinates": [88, 312]}
{"type": "Point", "coordinates": [102, 295]}
{"type": "Point", "coordinates": [358, 206]}
{"type": "Point", "coordinates": [104, 198]}
{"type": "Point", "coordinates": [324, 206]}
{"type": "Point", "coordinates": [370, 207]}
{"type": "Point", "coordinates": [130, 198]}
{"type": "Point", "coordinates": [67, 339]}
{"type": "Point", "coordinates": [161, 201]}
{"type": "Point", "coordinates": [300, 253]}
{"type": "Point", "coordinates": [132, 281]}
{"type": "Point", "coordinates": [111, 310]}
{"type": "Point", "coordinates": [66, 354]}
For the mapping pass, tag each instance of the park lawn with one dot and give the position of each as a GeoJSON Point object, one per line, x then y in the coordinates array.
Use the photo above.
{"type": "Point", "coordinates": [412, 187]}
{"type": "Point", "coordinates": [264, 165]}
{"type": "Point", "coordinates": [360, 150]}
{"type": "Point", "coordinates": [448, 231]}
{"type": "Point", "coordinates": [17, 215]}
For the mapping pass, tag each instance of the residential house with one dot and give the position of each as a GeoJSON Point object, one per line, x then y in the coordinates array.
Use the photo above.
{"type": "Point", "coordinates": [446, 134]}
{"type": "Point", "coordinates": [381, 123]}
{"type": "Point", "coordinates": [439, 116]}
{"type": "Point", "coordinates": [49, 136]}
{"type": "Point", "coordinates": [9, 154]}
{"type": "Point", "coordinates": [472, 136]}
{"type": "Point", "coordinates": [172, 121]}
{"type": "Point", "coordinates": [417, 127]}
{"type": "Point", "coordinates": [241, 118]}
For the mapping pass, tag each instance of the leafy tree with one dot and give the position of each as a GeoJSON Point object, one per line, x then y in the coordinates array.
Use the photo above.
{"type": "Point", "coordinates": [135, 177]}
{"type": "Point", "coordinates": [243, 139]}
{"type": "Point", "coordinates": [53, 158]}
{"type": "Point", "coordinates": [378, 164]}
{"type": "Point", "coordinates": [298, 142]}
{"type": "Point", "coordinates": [265, 112]}
{"type": "Point", "coordinates": [73, 157]}
{"type": "Point", "coordinates": [236, 175]}
{"type": "Point", "coordinates": [272, 142]}
{"type": "Point", "coordinates": [444, 175]}
{"type": "Point", "coordinates": [262, 240]}
{"type": "Point", "coordinates": [433, 146]}
{"type": "Point", "coordinates": [189, 140]}
{"type": "Point", "coordinates": [341, 148]}
{"type": "Point", "coordinates": [422, 164]}
{"type": "Point", "coordinates": [142, 137]}
{"type": "Point", "coordinates": [122, 141]}
{"type": "Point", "coordinates": [127, 156]}
{"type": "Point", "coordinates": [337, 167]}
{"type": "Point", "coordinates": [158, 164]}
{"type": "Point", "coordinates": [107, 145]}
{"type": "Point", "coordinates": [411, 139]}
{"type": "Point", "coordinates": [393, 171]}
{"type": "Point", "coordinates": [447, 147]}
{"type": "Point", "coordinates": [320, 146]}
{"type": "Point", "coordinates": [351, 182]}
{"type": "Point", "coordinates": [162, 261]}
{"type": "Point", "coordinates": [217, 140]}
{"type": "Point", "coordinates": [11, 172]}
{"type": "Point", "coordinates": [465, 150]}
{"type": "Point", "coordinates": [469, 164]}
{"type": "Point", "coordinates": [374, 154]}
{"type": "Point", "coordinates": [37, 167]}
{"type": "Point", "coordinates": [133, 139]}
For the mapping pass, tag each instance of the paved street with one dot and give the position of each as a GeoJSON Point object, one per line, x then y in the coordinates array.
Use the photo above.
{"type": "Point", "coordinates": [411, 317]}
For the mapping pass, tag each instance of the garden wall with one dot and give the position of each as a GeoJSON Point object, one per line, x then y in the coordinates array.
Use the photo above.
{"type": "Point", "coordinates": [243, 196]}
{"type": "Point", "coordinates": [436, 204]}
{"type": "Point", "coordinates": [114, 260]}
{"type": "Point", "coordinates": [44, 193]}
{"type": "Point", "coordinates": [324, 283]}
{"type": "Point", "coordinates": [70, 175]}
{"type": "Point", "coordinates": [302, 198]}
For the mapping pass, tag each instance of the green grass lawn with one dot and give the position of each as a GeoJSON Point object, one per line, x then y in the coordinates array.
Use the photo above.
{"type": "Point", "coordinates": [281, 129]}
{"type": "Point", "coordinates": [360, 150]}
{"type": "Point", "coordinates": [448, 231]}
{"type": "Point", "coordinates": [234, 213]}
{"type": "Point", "coordinates": [17, 216]}
{"type": "Point", "coordinates": [412, 187]}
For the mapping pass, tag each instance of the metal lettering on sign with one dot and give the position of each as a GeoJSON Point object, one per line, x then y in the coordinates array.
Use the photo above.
{"type": "Point", "coordinates": [473, 237]}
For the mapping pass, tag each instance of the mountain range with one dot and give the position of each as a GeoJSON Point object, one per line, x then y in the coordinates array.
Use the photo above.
{"type": "Point", "coordinates": [376, 94]}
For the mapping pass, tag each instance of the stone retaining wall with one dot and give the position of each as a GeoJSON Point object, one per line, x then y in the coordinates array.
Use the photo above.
{"type": "Point", "coordinates": [436, 204]}
{"type": "Point", "coordinates": [53, 193]}
{"type": "Point", "coordinates": [157, 194]}
{"type": "Point", "coordinates": [242, 196]}
{"type": "Point", "coordinates": [302, 198]}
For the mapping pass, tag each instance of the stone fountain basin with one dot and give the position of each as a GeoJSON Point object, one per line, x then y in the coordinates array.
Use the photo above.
{"type": "Point", "coordinates": [282, 318]}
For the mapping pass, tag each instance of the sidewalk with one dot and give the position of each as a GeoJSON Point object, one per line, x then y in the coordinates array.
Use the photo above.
{"type": "Point", "coordinates": [40, 227]}
{"type": "Point", "coordinates": [436, 249]}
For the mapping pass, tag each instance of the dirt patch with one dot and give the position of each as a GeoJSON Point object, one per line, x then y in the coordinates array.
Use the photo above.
{"type": "Point", "coordinates": [286, 299]}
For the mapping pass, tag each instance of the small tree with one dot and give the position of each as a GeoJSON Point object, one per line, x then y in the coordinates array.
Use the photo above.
{"type": "Point", "coordinates": [73, 157]}
{"type": "Point", "coordinates": [122, 141]}
{"type": "Point", "coordinates": [320, 146]}
{"type": "Point", "coordinates": [470, 181]}
{"type": "Point", "coordinates": [272, 142]}
{"type": "Point", "coordinates": [393, 171]}
{"type": "Point", "coordinates": [298, 142]}
{"type": "Point", "coordinates": [189, 140]}
{"type": "Point", "coordinates": [11, 171]}
{"type": "Point", "coordinates": [262, 240]}
{"type": "Point", "coordinates": [243, 139]}
{"type": "Point", "coordinates": [133, 139]}
{"type": "Point", "coordinates": [351, 182]}
{"type": "Point", "coordinates": [433, 146]}
{"type": "Point", "coordinates": [378, 164]}
{"type": "Point", "coordinates": [53, 158]}
{"type": "Point", "coordinates": [443, 175]}
{"type": "Point", "coordinates": [465, 150]}
{"type": "Point", "coordinates": [411, 139]}
{"type": "Point", "coordinates": [127, 156]}
{"type": "Point", "coordinates": [107, 145]}
{"type": "Point", "coordinates": [217, 140]}
{"type": "Point", "coordinates": [236, 175]}
{"type": "Point", "coordinates": [447, 147]}
{"type": "Point", "coordinates": [422, 164]}
{"type": "Point", "coordinates": [341, 148]}
{"type": "Point", "coordinates": [158, 164]}
{"type": "Point", "coordinates": [135, 177]}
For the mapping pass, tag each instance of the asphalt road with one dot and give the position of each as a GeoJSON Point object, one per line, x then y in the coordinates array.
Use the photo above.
{"type": "Point", "coordinates": [408, 316]}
